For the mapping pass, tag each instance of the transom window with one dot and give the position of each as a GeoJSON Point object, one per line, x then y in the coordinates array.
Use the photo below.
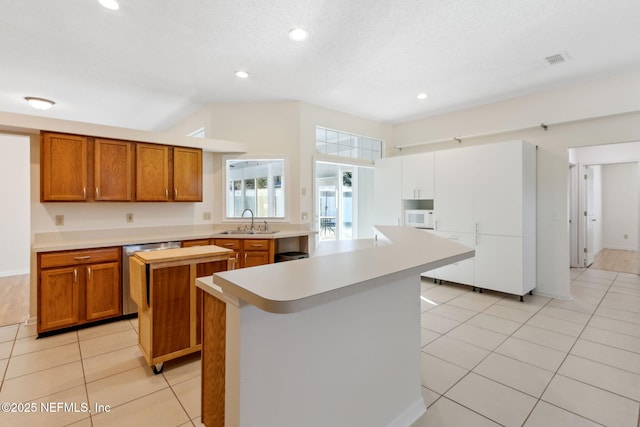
{"type": "Point", "coordinates": [342, 144]}
{"type": "Point", "coordinates": [256, 184]}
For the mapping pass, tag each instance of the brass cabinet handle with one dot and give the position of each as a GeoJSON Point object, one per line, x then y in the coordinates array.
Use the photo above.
{"type": "Point", "coordinates": [97, 192]}
{"type": "Point", "coordinates": [75, 275]}
{"type": "Point", "coordinates": [245, 258]}
{"type": "Point", "coordinates": [175, 193]}
{"type": "Point", "coordinates": [89, 274]}
{"type": "Point", "coordinates": [256, 245]}
{"type": "Point", "coordinates": [166, 193]}
{"type": "Point", "coordinates": [80, 258]}
{"type": "Point", "coordinates": [84, 192]}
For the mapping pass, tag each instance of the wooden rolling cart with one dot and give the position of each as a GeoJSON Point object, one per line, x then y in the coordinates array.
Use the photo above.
{"type": "Point", "coordinates": [169, 304]}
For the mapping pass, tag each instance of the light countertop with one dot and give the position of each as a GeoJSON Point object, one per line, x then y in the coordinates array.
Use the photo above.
{"type": "Point", "coordinates": [337, 270]}
{"type": "Point", "coordinates": [84, 239]}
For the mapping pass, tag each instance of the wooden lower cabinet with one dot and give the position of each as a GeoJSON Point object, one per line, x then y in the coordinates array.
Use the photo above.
{"type": "Point", "coordinates": [249, 252]}
{"type": "Point", "coordinates": [77, 287]}
{"type": "Point", "coordinates": [59, 299]}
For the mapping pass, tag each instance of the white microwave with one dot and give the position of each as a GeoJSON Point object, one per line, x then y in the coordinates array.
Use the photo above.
{"type": "Point", "coordinates": [420, 218]}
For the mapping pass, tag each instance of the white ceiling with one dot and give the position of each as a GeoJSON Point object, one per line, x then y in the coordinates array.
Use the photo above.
{"type": "Point", "coordinates": [154, 62]}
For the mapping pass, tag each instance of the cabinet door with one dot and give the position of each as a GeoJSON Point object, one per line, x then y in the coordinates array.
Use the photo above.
{"type": "Point", "coordinates": [152, 173]}
{"type": "Point", "coordinates": [418, 176]}
{"type": "Point", "coordinates": [113, 170]}
{"type": "Point", "coordinates": [387, 197]}
{"type": "Point", "coordinates": [171, 309]}
{"type": "Point", "coordinates": [254, 258]}
{"type": "Point", "coordinates": [461, 271]}
{"type": "Point", "coordinates": [63, 168]}
{"type": "Point", "coordinates": [187, 174]}
{"type": "Point", "coordinates": [499, 264]}
{"type": "Point", "coordinates": [234, 244]}
{"type": "Point", "coordinates": [453, 201]}
{"type": "Point", "coordinates": [59, 298]}
{"type": "Point", "coordinates": [103, 297]}
{"type": "Point", "coordinates": [498, 189]}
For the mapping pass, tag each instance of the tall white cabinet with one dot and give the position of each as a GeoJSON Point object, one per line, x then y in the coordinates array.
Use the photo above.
{"type": "Point", "coordinates": [387, 198]}
{"type": "Point", "coordinates": [485, 198]}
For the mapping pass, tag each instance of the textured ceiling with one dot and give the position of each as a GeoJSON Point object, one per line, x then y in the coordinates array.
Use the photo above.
{"type": "Point", "coordinates": [154, 62]}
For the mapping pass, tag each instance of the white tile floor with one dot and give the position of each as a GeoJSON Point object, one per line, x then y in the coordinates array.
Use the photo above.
{"type": "Point", "coordinates": [488, 360]}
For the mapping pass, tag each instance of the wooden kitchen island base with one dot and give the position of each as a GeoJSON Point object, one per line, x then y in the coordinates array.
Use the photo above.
{"type": "Point", "coordinates": [169, 304]}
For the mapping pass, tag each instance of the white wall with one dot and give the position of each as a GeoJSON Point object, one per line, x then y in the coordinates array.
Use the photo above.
{"type": "Point", "coordinates": [620, 206]}
{"type": "Point", "coordinates": [600, 112]}
{"type": "Point", "coordinates": [285, 128]}
{"type": "Point", "coordinates": [14, 216]}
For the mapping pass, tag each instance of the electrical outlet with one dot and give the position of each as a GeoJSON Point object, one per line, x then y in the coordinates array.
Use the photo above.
{"type": "Point", "coordinates": [129, 217]}
{"type": "Point", "coordinates": [59, 219]}
{"type": "Point", "coordinates": [626, 236]}
{"type": "Point", "coordinates": [304, 216]}
{"type": "Point", "coordinates": [206, 216]}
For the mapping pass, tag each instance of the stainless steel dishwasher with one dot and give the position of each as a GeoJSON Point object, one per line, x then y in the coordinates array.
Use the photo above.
{"type": "Point", "coordinates": [128, 306]}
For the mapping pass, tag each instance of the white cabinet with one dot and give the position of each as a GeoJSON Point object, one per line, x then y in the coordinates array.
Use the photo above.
{"type": "Point", "coordinates": [387, 199]}
{"type": "Point", "coordinates": [461, 271]}
{"type": "Point", "coordinates": [499, 188]}
{"type": "Point", "coordinates": [499, 264]}
{"type": "Point", "coordinates": [486, 196]}
{"type": "Point", "coordinates": [454, 190]}
{"type": "Point", "coordinates": [418, 176]}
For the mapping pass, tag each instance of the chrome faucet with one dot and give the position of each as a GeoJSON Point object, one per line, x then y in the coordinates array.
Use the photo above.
{"type": "Point", "coordinates": [251, 212]}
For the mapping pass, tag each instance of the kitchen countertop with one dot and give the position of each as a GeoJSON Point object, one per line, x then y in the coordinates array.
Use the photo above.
{"type": "Point", "coordinates": [85, 239]}
{"type": "Point", "coordinates": [337, 269]}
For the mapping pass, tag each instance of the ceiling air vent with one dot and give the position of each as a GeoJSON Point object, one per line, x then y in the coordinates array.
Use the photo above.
{"type": "Point", "coordinates": [558, 58]}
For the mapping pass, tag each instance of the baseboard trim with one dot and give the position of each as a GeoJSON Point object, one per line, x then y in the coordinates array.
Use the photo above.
{"type": "Point", "coordinates": [554, 295]}
{"type": "Point", "coordinates": [14, 273]}
{"type": "Point", "coordinates": [410, 415]}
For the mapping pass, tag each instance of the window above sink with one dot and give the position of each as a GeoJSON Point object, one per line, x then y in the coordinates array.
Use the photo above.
{"type": "Point", "coordinates": [257, 184]}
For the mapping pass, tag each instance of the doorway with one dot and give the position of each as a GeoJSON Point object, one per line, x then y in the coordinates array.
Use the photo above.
{"type": "Point", "coordinates": [604, 207]}
{"type": "Point", "coordinates": [343, 201]}
{"type": "Point", "coordinates": [15, 168]}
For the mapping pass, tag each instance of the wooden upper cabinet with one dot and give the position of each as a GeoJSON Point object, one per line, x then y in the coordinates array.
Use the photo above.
{"type": "Point", "coordinates": [113, 170]}
{"type": "Point", "coordinates": [187, 174]}
{"type": "Point", "coordinates": [152, 172]}
{"type": "Point", "coordinates": [63, 168]}
{"type": "Point", "coordinates": [76, 168]}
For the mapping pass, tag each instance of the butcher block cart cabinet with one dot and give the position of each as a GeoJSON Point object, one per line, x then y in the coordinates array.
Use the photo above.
{"type": "Point", "coordinates": [77, 287]}
{"type": "Point", "coordinates": [163, 287]}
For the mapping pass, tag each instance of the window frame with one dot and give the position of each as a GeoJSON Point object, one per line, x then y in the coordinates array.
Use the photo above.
{"type": "Point", "coordinates": [285, 182]}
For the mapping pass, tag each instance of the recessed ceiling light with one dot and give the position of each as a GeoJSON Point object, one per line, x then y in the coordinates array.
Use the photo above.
{"type": "Point", "coordinates": [298, 34]}
{"type": "Point", "coordinates": [242, 74]}
{"type": "Point", "coordinates": [422, 95]}
{"type": "Point", "coordinates": [110, 4]}
{"type": "Point", "coordinates": [39, 103]}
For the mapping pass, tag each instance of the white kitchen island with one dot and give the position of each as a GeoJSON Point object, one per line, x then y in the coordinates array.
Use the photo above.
{"type": "Point", "coordinates": [332, 340]}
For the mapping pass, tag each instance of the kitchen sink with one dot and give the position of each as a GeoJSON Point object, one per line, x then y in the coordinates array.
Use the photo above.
{"type": "Point", "coordinates": [248, 232]}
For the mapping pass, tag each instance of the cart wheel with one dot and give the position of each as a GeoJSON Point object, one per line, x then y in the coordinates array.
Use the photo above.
{"type": "Point", "coordinates": [157, 368]}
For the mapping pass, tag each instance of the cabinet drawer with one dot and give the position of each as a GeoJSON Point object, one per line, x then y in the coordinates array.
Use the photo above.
{"type": "Point", "coordinates": [82, 256]}
{"type": "Point", "coordinates": [255, 245]}
{"type": "Point", "coordinates": [228, 243]}
{"type": "Point", "coordinates": [197, 242]}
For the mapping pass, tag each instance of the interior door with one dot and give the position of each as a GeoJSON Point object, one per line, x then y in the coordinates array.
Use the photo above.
{"type": "Point", "coordinates": [590, 218]}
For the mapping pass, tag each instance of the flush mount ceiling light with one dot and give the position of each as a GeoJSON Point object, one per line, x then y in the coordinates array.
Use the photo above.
{"type": "Point", "coordinates": [110, 4]}
{"type": "Point", "coordinates": [422, 96]}
{"type": "Point", "coordinates": [298, 34]}
{"type": "Point", "coordinates": [242, 74]}
{"type": "Point", "coordinates": [39, 103]}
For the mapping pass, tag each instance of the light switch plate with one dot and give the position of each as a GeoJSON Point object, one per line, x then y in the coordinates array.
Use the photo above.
{"type": "Point", "coordinates": [129, 217]}
{"type": "Point", "coordinates": [59, 219]}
